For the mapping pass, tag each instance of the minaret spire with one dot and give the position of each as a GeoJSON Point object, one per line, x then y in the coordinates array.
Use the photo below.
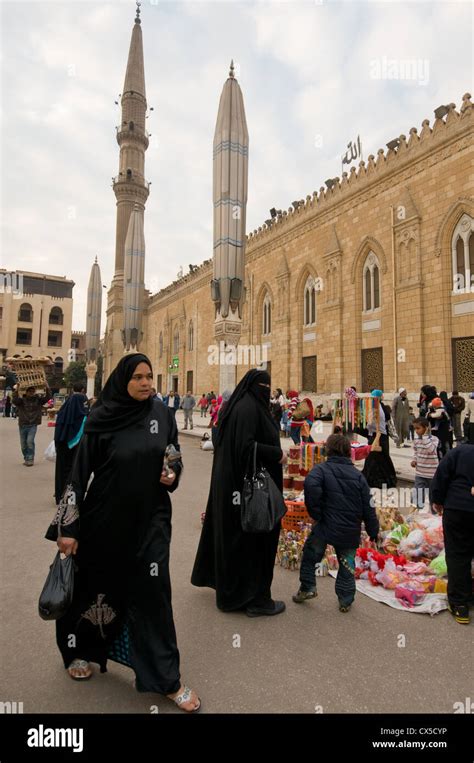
{"type": "Point", "coordinates": [130, 185]}
{"type": "Point", "coordinates": [230, 173]}
{"type": "Point", "coordinates": [131, 191]}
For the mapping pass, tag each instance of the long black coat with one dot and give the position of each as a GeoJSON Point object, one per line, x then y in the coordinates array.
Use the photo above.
{"type": "Point", "coordinates": [238, 565]}
{"type": "Point", "coordinates": [454, 479]}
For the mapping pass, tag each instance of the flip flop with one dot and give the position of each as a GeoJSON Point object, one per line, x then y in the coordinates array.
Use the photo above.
{"type": "Point", "coordinates": [185, 696]}
{"type": "Point", "coordinates": [80, 665]}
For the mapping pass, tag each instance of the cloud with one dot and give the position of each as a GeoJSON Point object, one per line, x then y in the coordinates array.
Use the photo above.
{"type": "Point", "coordinates": [304, 69]}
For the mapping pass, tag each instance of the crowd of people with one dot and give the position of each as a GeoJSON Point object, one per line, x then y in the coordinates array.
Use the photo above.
{"type": "Point", "coordinates": [117, 525]}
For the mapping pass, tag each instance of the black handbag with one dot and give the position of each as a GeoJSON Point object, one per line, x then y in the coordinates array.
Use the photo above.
{"type": "Point", "coordinates": [262, 503]}
{"type": "Point", "coordinates": [58, 589]}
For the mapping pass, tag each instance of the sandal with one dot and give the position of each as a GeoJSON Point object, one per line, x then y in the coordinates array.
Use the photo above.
{"type": "Point", "coordinates": [82, 665]}
{"type": "Point", "coordinates": [182, 698]}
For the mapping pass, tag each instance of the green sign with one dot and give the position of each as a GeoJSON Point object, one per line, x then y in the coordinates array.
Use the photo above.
{"type": "Point", "coordinates": [174, 363]}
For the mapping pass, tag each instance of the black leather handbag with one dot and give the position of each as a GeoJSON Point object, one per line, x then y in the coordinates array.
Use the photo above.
{"type": "Point", "coordinates": [262, 502]}
{"type": "Point", "coordinates": [56, 596]}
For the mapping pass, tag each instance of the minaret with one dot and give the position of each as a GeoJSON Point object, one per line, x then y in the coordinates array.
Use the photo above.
{"type": "Point", "coordinates": [94, 313]}
{"type": "Point", "coordinates": [130, 186]}
{"type": "Point", "coordinates": [134, 281]}
{"type": "Point", "coordinates": [230, 178]}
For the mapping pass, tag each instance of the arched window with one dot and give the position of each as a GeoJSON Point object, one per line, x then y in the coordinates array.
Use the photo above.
{"type": "Point", "coordinates": [56, 316]}
{"type": "Point", "coordinates": [176, 341]}
{"type": "Point", "coordinates": [190, 336]}
{"type": "Point", "coordinates": [463, 255]}
{"type": "Point", "coordinates": [371, 283]}
{"type": "Point", "coordinates": [161, 344]}
{"type": "Point", "coordinates": [309, 318]}
{"type": "Point", "coordinates": [267, 315]}
{"type": "Point", "coordinates": [58, 364]}
{"type": "Point", "coordinates": [25, 313]}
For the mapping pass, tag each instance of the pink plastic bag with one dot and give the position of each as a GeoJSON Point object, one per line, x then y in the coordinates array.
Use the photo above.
{"type": "Point", "coordinates": [409, 593]}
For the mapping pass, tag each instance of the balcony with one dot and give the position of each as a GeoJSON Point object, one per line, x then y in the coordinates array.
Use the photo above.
{"type": "Point", "coordinates": [131, 178]}
{"type": "Point", "coordinates": [136, 129]}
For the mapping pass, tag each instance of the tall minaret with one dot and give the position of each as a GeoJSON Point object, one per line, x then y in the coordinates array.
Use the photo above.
{"type": "Point", "coordinates": [230, 178]}
{"type": "Point", "coordinates": [130, 187]}
{"type": "Point", "coordinates": [134, 282]}
{"type": "Point", "coordinates": [94, 313]}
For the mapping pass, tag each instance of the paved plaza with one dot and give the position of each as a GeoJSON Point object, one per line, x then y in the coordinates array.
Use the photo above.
{"type": "Point", "coordinates": [310, 659]}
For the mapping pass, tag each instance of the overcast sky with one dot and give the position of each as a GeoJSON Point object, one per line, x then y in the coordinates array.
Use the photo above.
{"type": "Point", "coordinates": [306, 70]}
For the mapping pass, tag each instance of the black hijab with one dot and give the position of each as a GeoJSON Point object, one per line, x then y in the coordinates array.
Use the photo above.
{"type": "Point", "coordinates": [115, 409]}
{"type": "Point", "coordinates": [248, 385]}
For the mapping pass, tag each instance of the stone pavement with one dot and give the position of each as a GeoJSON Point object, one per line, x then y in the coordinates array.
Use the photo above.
{"type": "Point", "coordinates": [310, 657]}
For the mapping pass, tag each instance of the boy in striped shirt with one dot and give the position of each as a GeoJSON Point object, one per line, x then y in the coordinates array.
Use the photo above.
{"type": "Point", "coordinates": [425, 461]}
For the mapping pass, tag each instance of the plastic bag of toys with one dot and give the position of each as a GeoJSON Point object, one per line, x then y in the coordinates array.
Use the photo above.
{"type": "Point", "coordinates": [412, 544]}
{"type": "Point", "coordinates": [438, 565]}
{"type": "Point", "coordinates": [391, 575]}
{"type": "Point", "coordinates": [393, 538]}
{"type": "Point", "coordinates": [409, 593]}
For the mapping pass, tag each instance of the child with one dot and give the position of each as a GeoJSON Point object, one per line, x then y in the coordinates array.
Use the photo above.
{"type": "Point", "coordinates": [425, 462]}
{"type": "Point", "coordinates": [338, 497]}
{"type": "Point", "coordinates": [411, 422]}
{"type": "Point", "coordinates": [203, 405]}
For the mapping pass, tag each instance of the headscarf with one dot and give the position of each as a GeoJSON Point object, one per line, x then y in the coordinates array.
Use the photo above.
{"type": "Point", "coordinates": [291, 394]}
{"type": "Point", "coordinates": [115, 409]}
{"type": "Point", "coordinates": [350, 393]}
{"type": "Point", "coordinates": [70, 417]}
{"type": "Point", "coordinates": [248, 385]}
{"type": "Point", "coordinates": [376, 393]}
{"type": "Point", "coordinates": [429, 391]}
{"type": "Point", "coordinates": [437, 402]}
{"type": "Point", "coordinates": [402, 389]}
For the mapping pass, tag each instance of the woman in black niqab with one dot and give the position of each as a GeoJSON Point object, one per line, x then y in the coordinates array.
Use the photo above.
{"type": "Point", "coordinates": [238, 565]}
{"type": "Point", "coordinates": [118, 525]}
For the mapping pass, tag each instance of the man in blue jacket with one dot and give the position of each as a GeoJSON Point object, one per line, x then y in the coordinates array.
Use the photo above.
{"type": "Point", "coordinates": [452, 495]}
{"type": "Point", "coordinates": [338, 497]}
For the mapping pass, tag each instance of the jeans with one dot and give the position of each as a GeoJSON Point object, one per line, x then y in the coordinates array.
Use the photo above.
{"type": "Point", "coordinates": [203, 412]}
{"type": "Point", "coordinates": [27, 441]}
{"type": "Point", "coordinates": [188, 416]}
{"type": "Point", "coordinates": [313, 553]}
{"type": "Point", "coordinates": [421, 491]}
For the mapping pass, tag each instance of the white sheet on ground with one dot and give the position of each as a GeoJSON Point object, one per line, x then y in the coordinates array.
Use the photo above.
{"type": "Point", "coordinates": [431, 604]}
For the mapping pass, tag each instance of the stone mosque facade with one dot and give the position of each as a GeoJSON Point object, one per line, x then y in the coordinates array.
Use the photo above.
{"type": "Point", "coordinates": [369, 283]}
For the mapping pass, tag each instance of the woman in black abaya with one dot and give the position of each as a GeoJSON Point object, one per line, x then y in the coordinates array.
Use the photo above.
{"type": "Point", "coordinates": [67, 434]}
{"type": "Point", "coordinates": [119, 529]}
{"type": "Point", "coordinates": [238, 565]}
{"type": "Point", "coordinates": [379, 470]}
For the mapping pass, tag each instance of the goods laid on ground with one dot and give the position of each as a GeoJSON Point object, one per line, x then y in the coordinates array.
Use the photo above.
{"type": "Point", "coordinates": [296, 525]}
{"type": "Point", "coordinates": [407, 571]}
